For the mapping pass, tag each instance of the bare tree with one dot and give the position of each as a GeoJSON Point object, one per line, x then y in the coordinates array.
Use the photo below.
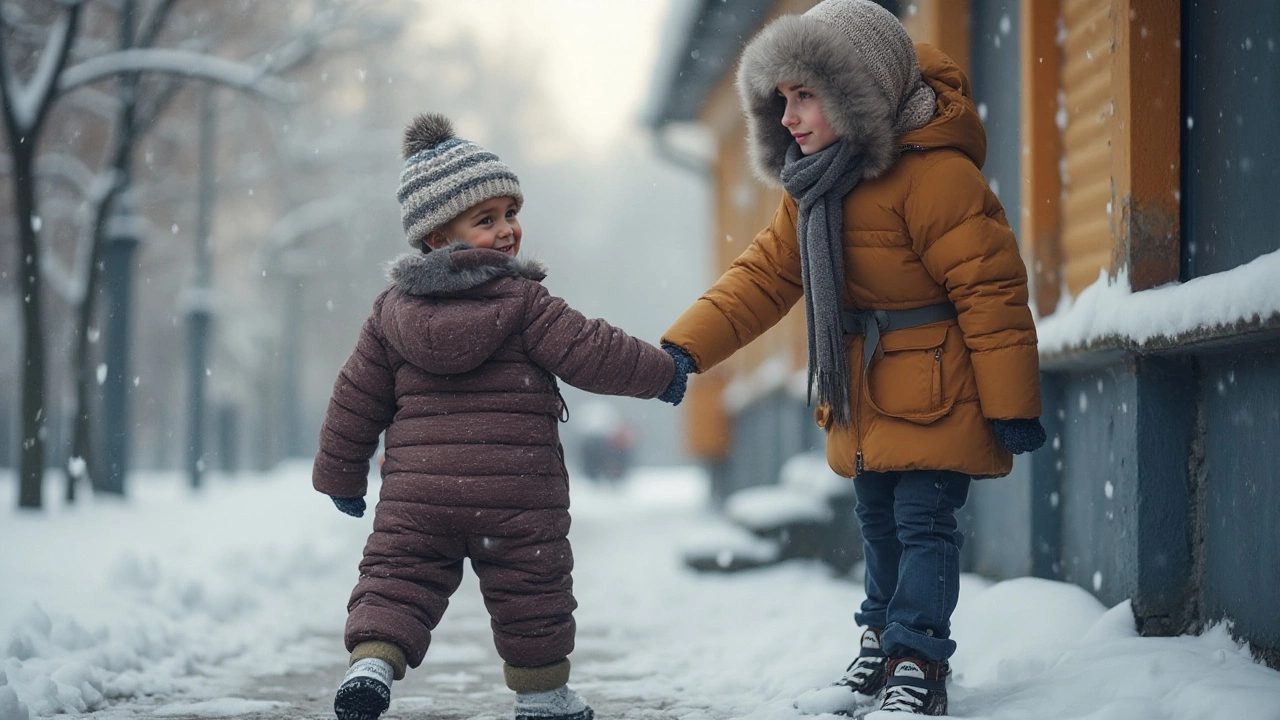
{"type": "Point", "coordinates": [136, 116]}
{"type": "Point", "coordinates": [26, 106]}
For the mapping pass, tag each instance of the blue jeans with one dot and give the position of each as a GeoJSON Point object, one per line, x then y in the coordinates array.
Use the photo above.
{"type": "Point", "coordinates": [912, 551]}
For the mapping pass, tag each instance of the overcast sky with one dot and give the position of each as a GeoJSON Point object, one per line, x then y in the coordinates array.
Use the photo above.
{"type": "Point", "coordinates": [597, 57]}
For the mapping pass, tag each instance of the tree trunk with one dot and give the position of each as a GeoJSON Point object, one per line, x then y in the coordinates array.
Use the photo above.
{"type": "Point", "coordinates": [31, 472]}
{"type": "Point", "coordinates": [81, 428]}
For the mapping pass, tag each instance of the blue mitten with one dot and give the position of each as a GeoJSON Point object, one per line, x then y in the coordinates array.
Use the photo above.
{"type": "Point", "coordinates": [1019, 435]}
{"type": "Point", "coordinates": [684, 365]}
{"type": "Point", "coordinates": [353, 506]}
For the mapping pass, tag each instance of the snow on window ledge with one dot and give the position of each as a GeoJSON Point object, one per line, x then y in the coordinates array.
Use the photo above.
{"type": "Point", "coordinates": [1109, 315]}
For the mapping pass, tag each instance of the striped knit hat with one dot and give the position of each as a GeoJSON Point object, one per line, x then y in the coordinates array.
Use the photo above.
{"type": "Point", "coordinates": [444, 175]}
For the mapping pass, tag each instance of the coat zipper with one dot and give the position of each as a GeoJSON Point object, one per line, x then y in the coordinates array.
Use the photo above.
{"type": "Point", "coordinates": [935, 394]}
{"type": "Point", "coordinates": [857, 463]}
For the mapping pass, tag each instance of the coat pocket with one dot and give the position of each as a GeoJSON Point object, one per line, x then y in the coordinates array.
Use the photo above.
{"type": "Point", "coordinates": [906, 381]}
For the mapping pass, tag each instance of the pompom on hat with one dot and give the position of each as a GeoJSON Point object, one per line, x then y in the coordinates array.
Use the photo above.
{"type": "Point", "coordinates": [444, 175]}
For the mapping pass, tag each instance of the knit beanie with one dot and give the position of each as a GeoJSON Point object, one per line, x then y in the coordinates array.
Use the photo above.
{"type": "Point", "coordinates": [888, 54]}
{"type": "Point", "coordinates": [445, 175]}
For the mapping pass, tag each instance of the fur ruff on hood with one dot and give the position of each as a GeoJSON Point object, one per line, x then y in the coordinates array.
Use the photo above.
{"type": "Point", "coordinates": [457, 268]}
{"type": "Point", "coordinates": [796, 48]}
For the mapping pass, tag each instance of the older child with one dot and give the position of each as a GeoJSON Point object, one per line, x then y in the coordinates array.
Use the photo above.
{"type": "Point", "coordinates": [922, 350]}
{"type": "Point", "coordinates": [458, 365]}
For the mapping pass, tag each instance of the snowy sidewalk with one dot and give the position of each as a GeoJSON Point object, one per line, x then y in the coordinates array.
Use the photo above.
{"type": "Point", "coordinates": [231, 604]}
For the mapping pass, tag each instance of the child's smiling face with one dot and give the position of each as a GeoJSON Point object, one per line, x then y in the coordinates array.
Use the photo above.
{"type": "Point", "coordinates": [491, 224]}
{"type": "Point", "coordinates": [803, 118]}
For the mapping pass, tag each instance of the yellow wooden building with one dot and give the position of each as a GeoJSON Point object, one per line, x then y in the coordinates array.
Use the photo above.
{"type": "Point", "coordinates": [1133, 144]}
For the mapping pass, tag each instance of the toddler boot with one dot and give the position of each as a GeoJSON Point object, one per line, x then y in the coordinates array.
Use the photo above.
{"type": "Point", "coordinates": [559, 704]}
{"type": "Point", "coordinates": [365, 692]}
{"type": "Point", "coordinates": [916, 686]}
{"type": "Point", "coordinates": [860, 687]}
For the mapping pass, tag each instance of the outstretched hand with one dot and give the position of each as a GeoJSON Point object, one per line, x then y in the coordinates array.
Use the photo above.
{"type": "Point", "coordinates": [353, 506]}
{"type": "Point", "coordinates": [1019, 435]}
{"type": "Point", "coordinates": [679, 382]}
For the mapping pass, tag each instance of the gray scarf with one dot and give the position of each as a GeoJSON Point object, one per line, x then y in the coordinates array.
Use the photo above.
{"type": "Point", "coordinates": [818, 183]}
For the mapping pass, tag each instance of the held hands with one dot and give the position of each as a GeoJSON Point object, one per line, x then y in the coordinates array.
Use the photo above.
{"type": "Point", "coordinates": [684, 365]}
{"type": "Point", "coordinates": [353, 506]}
{"type": "Point", "coordinates": [1019, 435]}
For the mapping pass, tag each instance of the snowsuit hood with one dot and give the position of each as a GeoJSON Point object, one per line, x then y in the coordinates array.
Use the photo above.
{"type": "Point", "coordinates": [457, 337]}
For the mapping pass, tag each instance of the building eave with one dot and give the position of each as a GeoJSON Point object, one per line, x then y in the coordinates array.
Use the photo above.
{"type": "Point", "coordinates": [701, 44]}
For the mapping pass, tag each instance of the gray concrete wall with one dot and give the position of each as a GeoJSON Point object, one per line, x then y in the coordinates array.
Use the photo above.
{"type": "Point", "coordinates": [1240, 493]}
{"type": "Point", "coordinates": [1098, 502]}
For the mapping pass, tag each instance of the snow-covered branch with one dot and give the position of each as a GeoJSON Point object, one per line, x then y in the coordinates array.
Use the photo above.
{"type": "Point", "coordinates": [176, 62]}
{"type": "Point", "coordinates": [26, 101]}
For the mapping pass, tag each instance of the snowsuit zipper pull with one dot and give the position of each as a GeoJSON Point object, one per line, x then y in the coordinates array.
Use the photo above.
{"type": "Point", "coordinates": [563, 414]}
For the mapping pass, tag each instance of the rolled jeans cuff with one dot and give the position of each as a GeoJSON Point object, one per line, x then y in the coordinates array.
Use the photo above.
{"type": "Point", "coordinates": [898, 641]}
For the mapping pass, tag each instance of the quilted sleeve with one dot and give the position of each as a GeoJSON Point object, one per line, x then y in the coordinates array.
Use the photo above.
{"type": "Point", "coordinates": [361, 407]}
{"type": "Point", "coordinates": [959, 230]}
{"type": "Point", "coordinates": [757, 291]}
{"type": "Point", "coordinates": [589, 353]}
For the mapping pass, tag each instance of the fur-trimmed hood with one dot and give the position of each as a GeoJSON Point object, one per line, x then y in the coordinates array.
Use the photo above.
{"type": "Point", "coordinates": [457, 268]}
{"type": "Point", "coordinates": [798, 48]}
{"type": "Point", "coordinates": [450, 310]}
{"type": "Point", "coordinates": [861, 63]}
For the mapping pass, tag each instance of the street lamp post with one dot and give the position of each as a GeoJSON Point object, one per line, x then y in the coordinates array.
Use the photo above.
{"type": "Point", "coordinates": [125, 229]}
{"type": "Point", "coordinates": [199, 297]}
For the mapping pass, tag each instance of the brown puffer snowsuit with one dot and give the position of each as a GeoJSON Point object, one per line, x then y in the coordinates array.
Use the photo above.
{"type": "Point", "coordinates": [928, 230]}
{"type": "Point", "coordinates": [457, 364]}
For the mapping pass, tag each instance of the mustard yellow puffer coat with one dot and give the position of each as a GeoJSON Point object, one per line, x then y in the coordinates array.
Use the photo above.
{"type": "Point", "coordinates": [929, 230]}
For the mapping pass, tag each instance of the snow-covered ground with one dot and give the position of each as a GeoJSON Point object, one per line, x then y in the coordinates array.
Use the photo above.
{"type": "Point", "coordinates": [179, 605]}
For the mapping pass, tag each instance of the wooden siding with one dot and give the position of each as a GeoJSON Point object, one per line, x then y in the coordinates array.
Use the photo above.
{"type": "Point", "coordinates": [943, 24]}
{"type": "Point", "coordinates": [1086, 141]}
{"type": "Point", "coordinates": [1120, 87]}
{"type": "Point", "coordinates": [1041, 214]}
{"type": "Point", "coordinates": [1146, 152]}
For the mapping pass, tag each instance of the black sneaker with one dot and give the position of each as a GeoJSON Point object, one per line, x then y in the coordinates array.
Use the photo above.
{"type": "Point", "coordinates": [916, 686]}
{"type": "Point", "coordinates": [365, 692]}
{"type": "Point", "coordinates": [865, 675]}
{"type": "Point", "coordinates": [856, 692]}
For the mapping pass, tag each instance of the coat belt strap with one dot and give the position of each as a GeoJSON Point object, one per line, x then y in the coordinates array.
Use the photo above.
{"type": "Point", "coordinates": [872, 323]}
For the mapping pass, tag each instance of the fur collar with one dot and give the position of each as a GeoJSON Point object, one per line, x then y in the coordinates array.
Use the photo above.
{"type": "Point", "coordinates": [457, 268]}
{"type": "Point", "coordinates": [796, 48]}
